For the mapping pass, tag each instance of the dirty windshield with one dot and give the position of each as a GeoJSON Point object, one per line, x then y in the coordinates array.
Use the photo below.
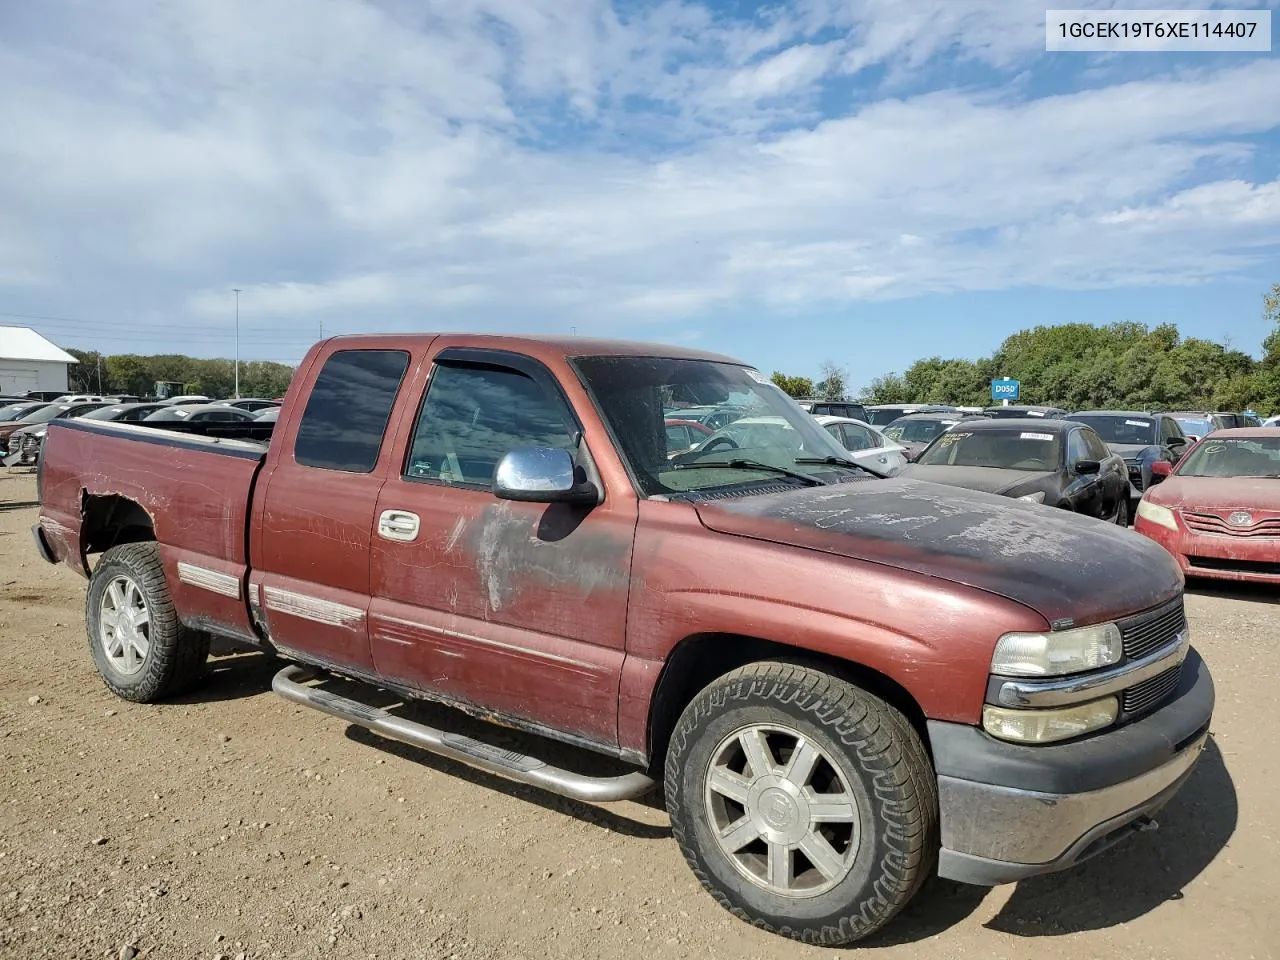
{"type": "Point", "coordinates": [1002, 449]}
{"type": "Point", "coordinates": [1138, 431]}
{"type": "Point", "coordinates": [753, 431]}
{"type": "Point", "coordinates": [1234, 457]}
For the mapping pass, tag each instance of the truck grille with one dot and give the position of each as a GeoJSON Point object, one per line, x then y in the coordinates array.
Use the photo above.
{"type": "Point", "coordinates": [1146, 632]}
{"type": "Point", "coordinates": [1210, 523]}
{"type": "Point", "coordinates": [1147, 694]}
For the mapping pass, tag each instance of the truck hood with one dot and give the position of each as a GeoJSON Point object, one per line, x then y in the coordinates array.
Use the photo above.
{"type": "Point", "coordinates": [986, 479]}
{"type": "Point", "coordinates": [1060, 564]}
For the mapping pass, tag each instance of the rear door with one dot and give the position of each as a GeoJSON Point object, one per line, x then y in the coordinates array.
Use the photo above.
{"type": "Point", "coordinates": [516, 608]}
{"type": "Point", "coordinates": [310, 585]}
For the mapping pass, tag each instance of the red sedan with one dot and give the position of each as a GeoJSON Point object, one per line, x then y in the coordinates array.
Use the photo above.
{"type": "Point", "coordinates": [1218, 510]}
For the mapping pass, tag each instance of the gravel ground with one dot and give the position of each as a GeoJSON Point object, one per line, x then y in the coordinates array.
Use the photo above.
{"type": "Point", "coordinates": [233, 824]}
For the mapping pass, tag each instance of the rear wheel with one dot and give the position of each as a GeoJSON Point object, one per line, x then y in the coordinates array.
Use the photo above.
{"type": "Point", "coordinates": [803, 804]}
{"type": "Point", "coordinates": [139, 646]}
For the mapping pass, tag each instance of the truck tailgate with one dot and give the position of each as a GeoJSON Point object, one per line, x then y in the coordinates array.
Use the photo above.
{"type": "Point", "coordinates": [193, 491]}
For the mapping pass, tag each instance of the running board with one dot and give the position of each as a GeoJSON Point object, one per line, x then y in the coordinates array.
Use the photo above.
{"type": "Point", "coordinates": [289, 683]}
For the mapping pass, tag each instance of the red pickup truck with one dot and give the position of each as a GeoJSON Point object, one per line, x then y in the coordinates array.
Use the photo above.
{"type": "Point", "coordinates": [843, 683]}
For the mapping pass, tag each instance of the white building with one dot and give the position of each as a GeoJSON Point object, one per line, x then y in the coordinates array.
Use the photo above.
{"type": "Point", "coordinates": [30, 362]}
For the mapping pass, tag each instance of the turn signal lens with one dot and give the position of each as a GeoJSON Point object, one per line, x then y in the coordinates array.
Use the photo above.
{"type": "Point", "coordinates": [1048, 726]}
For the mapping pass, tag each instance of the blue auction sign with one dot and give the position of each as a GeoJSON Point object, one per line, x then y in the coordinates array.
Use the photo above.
{"type": "Point", "coordinates": [1005, 389]}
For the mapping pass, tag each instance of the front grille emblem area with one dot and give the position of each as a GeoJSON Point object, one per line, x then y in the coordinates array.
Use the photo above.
{"type": "Point", "coordinates": [1241, 518]}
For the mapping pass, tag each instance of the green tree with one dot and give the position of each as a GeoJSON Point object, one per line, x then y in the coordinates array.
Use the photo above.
{"type": "Point", "coordinates": [834, 382]}
{"type": "Point", "coordinates": [798, 387]}
{"type": "Point", "coordinates": [891, 388]}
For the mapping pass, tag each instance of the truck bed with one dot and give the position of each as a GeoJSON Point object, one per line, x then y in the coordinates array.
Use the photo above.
{"type": "Point", "coordinates": [193, 491]}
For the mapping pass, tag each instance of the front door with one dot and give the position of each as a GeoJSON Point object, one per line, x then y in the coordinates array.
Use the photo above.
{"type": "Point", "coordinates": [514, 608]}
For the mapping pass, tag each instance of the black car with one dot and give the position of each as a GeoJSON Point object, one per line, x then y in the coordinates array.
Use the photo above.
{"type": "Point", "coordinates": [883, 414]}
{"type": "Point", "coordinates": [915, 431]}
{"type": "Point", "coordinates": [1141, 438]}
{"type": "Point", "coordinates": [1015, 411]}
{"type": "Point", "coordinates": [125, 412]}
{"type": "Point", "coordinates": [22, 445]}
{"type": "Point", "coordinates": [835, 408]}
{"type": "Point", "coordinates": [1055, 462]}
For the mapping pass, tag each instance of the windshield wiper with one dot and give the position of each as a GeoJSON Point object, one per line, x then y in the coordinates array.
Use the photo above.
{"type": "Point", "coordinates": [842, 462]}
{"type": "Point", "coordinates": [739, 464]}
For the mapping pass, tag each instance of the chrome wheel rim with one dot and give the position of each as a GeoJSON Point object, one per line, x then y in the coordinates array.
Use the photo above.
{"type": "Point", "coordinates": [781, 811]}
{"type": "Point", "coordinates": [124, 626]}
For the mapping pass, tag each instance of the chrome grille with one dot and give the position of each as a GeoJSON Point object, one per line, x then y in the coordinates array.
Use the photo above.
{"type": "Point", "coordinates": [1145, 695]}
{"type": "Point", "coordinates": [1211, 523]}
{"type": "Point", "coordinates": [1150, 630]}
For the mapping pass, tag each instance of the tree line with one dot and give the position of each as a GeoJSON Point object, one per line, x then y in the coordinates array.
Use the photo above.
{"type": "Point", "coordinates": [130, 373]}
{"type": "Point", "coordinates": [1082, 366]}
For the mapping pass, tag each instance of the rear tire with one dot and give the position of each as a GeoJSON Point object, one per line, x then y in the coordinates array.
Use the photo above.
{"type": "Point", "coordinates": [836, 830]}
{"type": "Point", "coordinates": [141, 649]}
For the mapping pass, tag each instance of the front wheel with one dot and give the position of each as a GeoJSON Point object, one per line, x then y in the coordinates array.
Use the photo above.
{"type": "Point", "coordinates": [1122, 512]}
{"type": "Point", "coordinates": [802, 803]}
{"type": "Point", "coordinates": [140, 648]}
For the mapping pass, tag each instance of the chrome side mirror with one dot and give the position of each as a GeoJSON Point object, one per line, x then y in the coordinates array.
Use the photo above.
{"type": "Point", "coordinates": [541, 475]}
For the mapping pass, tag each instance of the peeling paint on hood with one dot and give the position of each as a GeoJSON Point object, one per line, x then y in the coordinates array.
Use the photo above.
{"type": "Point", "coordinates": [1063, 565]}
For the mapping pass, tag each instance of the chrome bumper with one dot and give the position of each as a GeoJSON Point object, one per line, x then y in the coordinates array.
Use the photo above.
{"type": "Point", "coordinates": [1010, 811]}
{"type": "Point", "coordinates": [1046, 832]}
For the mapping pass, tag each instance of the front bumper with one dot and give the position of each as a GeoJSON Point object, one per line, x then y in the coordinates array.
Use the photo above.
{"type": "Point", "coordinates": [1255, 560]}
{"type": "Point", "coordinates": [1011, 811]}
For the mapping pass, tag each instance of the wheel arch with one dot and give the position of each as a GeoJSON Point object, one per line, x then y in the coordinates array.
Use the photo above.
{"type": "Point", "coordinates": [108, 520]}
{"type": "Point", "coordinates": [701, 658]}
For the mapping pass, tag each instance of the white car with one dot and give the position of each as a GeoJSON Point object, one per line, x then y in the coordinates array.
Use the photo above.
{"type": "Point", "coordinates": [866, 444]}
{"type": "Point", "coordinates": [1271, 422]}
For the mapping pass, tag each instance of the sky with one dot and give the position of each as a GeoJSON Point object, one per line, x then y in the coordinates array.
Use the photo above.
{"type": "Point", "coordinates": [863, 181]}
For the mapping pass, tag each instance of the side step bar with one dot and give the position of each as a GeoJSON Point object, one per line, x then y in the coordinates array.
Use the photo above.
{"type": "Point", "coordinates": [290, 684]}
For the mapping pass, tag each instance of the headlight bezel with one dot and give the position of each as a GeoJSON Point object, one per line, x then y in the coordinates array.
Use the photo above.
{"type": "Point", "coordinates": [1158, 514]}
{"type": "Point", "coordinates": [1062, 653]}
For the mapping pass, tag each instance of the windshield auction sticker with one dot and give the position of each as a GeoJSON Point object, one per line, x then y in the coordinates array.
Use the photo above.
{"type": "Point", "coordinates": [1035, 436]}
{"type": "Point", "coordinates": [1183, 31]}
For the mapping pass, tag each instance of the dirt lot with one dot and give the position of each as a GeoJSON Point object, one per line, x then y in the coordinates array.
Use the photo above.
{"type": "Point", "coordinates": [233, 824]}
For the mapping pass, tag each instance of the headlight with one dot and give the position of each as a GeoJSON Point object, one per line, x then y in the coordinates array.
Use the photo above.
{"type": "Point", "coordinates": [1157, 514]}
{"type": "Point", "coordinates": [1058, 652]}
{"type": "Point", "coordinates": [1046, 726]}
{"type": "Point", "coordinates": [1034, 497]}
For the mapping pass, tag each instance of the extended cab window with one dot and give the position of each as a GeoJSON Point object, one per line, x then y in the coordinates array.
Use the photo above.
{"type": "Point", "coordinates": [348, 410]}
{"type": "Point", "coordinates": [475, 415]}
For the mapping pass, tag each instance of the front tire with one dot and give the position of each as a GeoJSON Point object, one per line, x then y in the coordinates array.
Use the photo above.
{"type": "Point", "coordinates": [1122, 512]}
{"type": "Point", "coordinates": [803, 804]}
{"type": "Point", "coordinates": [141, 649]}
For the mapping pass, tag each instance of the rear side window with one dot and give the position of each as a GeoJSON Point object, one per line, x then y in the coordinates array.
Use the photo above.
{"type": "Point", "coordinates": [348, 410]}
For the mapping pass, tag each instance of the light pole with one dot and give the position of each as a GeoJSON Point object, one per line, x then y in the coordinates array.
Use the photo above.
{"type": "Point", "coordinates": [236, 291]}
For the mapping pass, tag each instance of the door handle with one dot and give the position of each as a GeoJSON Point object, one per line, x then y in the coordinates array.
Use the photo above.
{"type": "Point", "coordinates": [398, 525]}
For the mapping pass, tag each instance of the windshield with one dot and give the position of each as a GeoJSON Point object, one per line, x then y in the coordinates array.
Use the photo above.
{"type": "Point", "coordinates": [1002, 449]}
{"type": "Point", "coordinates": [1137, 431]}
{"type": "Point", "coordinates": [45, 414]}
{"type": "Point", "coordinates": [13, 411]}
{"type": "Point", "coordinates": [884, 416]}
{"type": "Point", "coordinates": [636, 395]}
{"type": "Point", "coordinates": [917, 431]}
{"type": "Point", "coordinates": [1233, 457]}
{"type": "Point", "coordinates": [1195, 426]}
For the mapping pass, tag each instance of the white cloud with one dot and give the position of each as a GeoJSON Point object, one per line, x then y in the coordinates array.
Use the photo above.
{"type": "Point", "coordinates": [524, 162]}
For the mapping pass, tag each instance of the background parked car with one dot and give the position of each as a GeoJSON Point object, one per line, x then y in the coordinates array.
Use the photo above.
{"type": "Point", "coordinates": [124, 412]}
{"type": "Point", "coordinates": [682, 435]}
{"type": "Point", "coordinates": [268, 414]}
{"type": "Point", "coordinates": [22, 447]}
{"type": "Point", "coordinates": [186, 399]}
{"type": "Point", "coordinates": [16, 411]}
{"type": "Point", "coordinates": [867, 446]}
{"type": "Point", "coordinates": [1218, 511]}
{"type": "Point", "coordinates": [1143, 439]}
{"type": "Point", "coordinates": [1054, 462]}
{"type": "Point", "coordinates": [1271, 422]}
{"type": "Point", "coordinates": [197, 413]}
{"type": "Point", "coordinates": [1017, 411]}
{"type": "Point", "coordinates": [252, 404]}
{"type": "Point", "coordinates": [1196, 428]}
{"type": "Point", "coordinates": [883, 414]}
{"type": "Point", "coordinates": [834, 408]}
{"type": "Point", "coordinates": [915, 431]}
